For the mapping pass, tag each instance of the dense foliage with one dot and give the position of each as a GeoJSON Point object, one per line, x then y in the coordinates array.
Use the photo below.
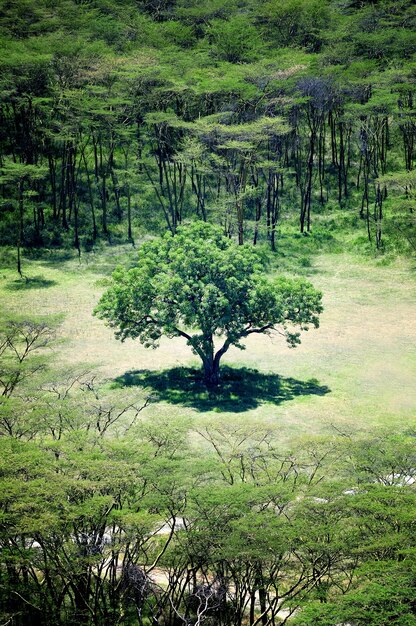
{"type": "Point", "coordinates": [110, 519]}
{"type": "Point", "coordinates": [121, 117]}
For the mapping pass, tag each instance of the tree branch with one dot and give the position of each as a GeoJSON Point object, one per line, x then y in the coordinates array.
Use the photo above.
{"type": "Point", "coordinates": [261, 329]}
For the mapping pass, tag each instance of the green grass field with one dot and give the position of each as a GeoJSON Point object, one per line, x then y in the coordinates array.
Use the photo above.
{"type": "Point", "coordinates": [357, 371]}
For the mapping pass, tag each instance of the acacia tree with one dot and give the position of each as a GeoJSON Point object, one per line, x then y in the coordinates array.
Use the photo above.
{"type": "Point", "coordinates": [20, 175]}
{"type": "Point", "coordinates": [201, 286]}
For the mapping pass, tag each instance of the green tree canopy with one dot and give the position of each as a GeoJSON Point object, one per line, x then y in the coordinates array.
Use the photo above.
{"type": "Point", "coordinates": [200, 285]}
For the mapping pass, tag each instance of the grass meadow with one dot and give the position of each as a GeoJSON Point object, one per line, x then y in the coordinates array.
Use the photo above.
{"type": "Point", "coordinates": [356, 372]}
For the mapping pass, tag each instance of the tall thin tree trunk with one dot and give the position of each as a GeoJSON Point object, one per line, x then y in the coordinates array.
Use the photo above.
{"type": "Point", "coordinates": [20, 227]}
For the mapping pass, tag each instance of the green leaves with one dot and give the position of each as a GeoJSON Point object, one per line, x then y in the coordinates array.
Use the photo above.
{"type": "Point", "coordinates": [300, 22]}
{"type": "Point", "coordinates": [201, 281]}
{"type": "Point", "coordinates": [236, 40]}
{"type": "Point", "coordinates": [13, 173]}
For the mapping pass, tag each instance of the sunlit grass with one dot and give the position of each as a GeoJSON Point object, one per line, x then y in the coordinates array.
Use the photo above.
{"type": "Point", "coordinates": [363, 354]}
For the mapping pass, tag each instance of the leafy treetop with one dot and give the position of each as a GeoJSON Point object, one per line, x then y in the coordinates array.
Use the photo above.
{"type": "Point", "coordinates": [200, 285]}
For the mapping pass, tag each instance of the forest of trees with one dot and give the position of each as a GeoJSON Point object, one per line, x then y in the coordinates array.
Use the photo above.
{"type": "Point", "coordinates": [109, 519]}
{"type": "Point", "coordinates": [122, 120]}
{"type": "Point", "coordinates": [125, 117]}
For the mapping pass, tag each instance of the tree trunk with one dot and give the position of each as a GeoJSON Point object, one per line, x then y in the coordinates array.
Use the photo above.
{"type": "Point", "coordinates": [211, 372]}
{"type": "Point", "coordinates": [20, 232]}
{"type": "Point", "coordinates": [211, 361]}
{"type": "Point", "coordinates": [129, 228]}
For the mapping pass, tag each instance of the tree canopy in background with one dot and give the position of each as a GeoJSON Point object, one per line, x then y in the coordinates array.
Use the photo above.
{"type": "Point", "coordinates": [137, 116]}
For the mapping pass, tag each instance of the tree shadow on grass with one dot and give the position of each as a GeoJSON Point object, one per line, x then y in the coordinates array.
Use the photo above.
{"type": "Point", "coordinates": [33, 282]}
{"type": "Point", "coordinates": [241, 389]}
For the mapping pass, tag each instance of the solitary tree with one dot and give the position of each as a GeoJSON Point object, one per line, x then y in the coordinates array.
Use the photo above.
{"type": "Point", "coordinates": [202, 286]}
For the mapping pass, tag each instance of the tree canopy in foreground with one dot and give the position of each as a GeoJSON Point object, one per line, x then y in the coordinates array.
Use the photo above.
{"type": "Point", "coordinates": [202, 286]}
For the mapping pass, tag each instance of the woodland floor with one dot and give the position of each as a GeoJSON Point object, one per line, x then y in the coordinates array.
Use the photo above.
{"type": "Point", "coordinates": [356, 372]}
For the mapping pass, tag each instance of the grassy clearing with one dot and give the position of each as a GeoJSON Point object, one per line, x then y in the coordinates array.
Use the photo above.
{"type": "Point", "coordinates": [356, 372]}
